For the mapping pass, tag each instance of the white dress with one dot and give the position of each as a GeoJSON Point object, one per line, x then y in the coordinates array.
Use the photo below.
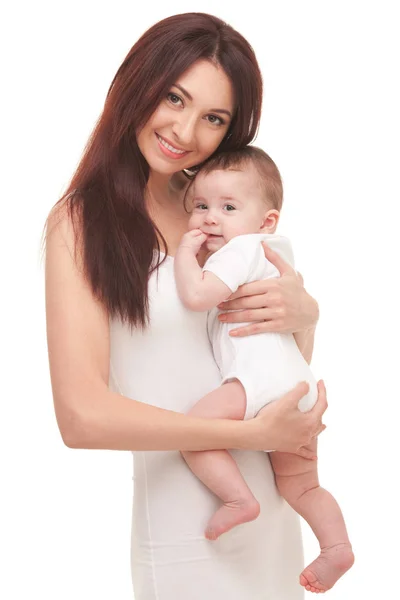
{"type": "Point", "coordinates": [171, 365]}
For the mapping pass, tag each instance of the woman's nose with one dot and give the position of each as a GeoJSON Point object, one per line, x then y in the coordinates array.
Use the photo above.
{"type": "Point", "coordinates": [184, 130]}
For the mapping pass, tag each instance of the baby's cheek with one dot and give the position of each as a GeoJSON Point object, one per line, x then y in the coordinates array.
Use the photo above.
{"type": "Point", "coordinates": [237, 229]}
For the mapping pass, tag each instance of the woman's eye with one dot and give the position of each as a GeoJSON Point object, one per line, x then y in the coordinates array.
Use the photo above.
{"type": "Point", "coordinates": [215, 120]}
{"type": "Point", "coordinates": [174, 98]}
{"type": "Point", "coordinates": [229, 207]}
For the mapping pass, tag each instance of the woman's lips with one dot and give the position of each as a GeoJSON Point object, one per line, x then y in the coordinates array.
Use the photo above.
{"type": "Point", "coordinates": [176, 153]}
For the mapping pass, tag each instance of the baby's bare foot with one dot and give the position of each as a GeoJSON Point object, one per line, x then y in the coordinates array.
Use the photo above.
{"type": "Point", "coordinates": [330, 565]}
{"type": "Point", "coordinates": [231, 514]}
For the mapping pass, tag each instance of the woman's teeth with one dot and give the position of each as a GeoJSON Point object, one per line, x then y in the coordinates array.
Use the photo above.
{"type": "Point", "coordinates": [170, 148]}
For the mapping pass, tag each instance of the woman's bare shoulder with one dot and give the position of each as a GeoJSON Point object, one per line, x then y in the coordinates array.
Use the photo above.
{"type": "Point", "coordinates": [63, 228]}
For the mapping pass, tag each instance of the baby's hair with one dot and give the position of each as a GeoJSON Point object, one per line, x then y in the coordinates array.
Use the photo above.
{"type": "Point", "coordinates": [270, 178]}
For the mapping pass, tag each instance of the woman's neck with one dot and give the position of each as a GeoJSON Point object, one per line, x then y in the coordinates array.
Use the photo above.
{"type": "Point", "coordinates": [164, 191]}
{"type": "Point", "coordinates": [165, 204]}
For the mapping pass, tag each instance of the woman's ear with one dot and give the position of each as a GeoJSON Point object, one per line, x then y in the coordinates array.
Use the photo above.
{"type": "Point", "coordinates": [270, 221]}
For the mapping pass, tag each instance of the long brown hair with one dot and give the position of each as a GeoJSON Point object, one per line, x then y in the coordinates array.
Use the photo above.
{"type": "Point", "coordinates": [107, 190]}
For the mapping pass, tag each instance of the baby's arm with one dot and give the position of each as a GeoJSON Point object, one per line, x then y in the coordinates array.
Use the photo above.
{"type": "Point", "coordinates": [198, 290]}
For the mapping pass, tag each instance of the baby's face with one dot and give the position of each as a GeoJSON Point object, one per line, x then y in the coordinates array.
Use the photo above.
{"type": "Point", "coordinates": [226, 204]}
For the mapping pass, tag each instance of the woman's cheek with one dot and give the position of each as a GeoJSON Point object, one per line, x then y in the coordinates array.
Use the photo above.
{"type": "Point", "coordinates": [193, 222]}
{"type": "Point", "coordinates": [210, 141]}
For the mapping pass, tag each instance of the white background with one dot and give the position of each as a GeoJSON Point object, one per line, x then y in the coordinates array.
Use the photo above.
{"type": "Point", "coordinates": [331, 122]}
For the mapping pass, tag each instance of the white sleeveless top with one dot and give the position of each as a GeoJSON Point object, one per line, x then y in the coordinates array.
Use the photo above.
{"type": "Point", "coordinates": [170, 365]}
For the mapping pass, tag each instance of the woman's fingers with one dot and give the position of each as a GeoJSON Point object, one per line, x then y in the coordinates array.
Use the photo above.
{"type": "Point", "coordinates": [293, 397]}
{"type": "Point", "coordinates": [294, 431]}
{"type": "Point", "coordinates": [259, 327]}
{"type": "Point", "coordinates": [322, 404]}
{"type": "Point", "coordinates": [256, 301]}
{"type": "Point", "coordinates": [305, 453]}
{"type": "Point", "coordinates": [254, 288]}
{"type": "Point", "coordinates": [319, 430]}
{"type": "Point", "coordinates": [249, 314]}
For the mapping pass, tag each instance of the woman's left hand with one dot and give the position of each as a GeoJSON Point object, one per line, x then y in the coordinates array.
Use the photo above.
{"type": "Point", "coordinates": [280, 304]}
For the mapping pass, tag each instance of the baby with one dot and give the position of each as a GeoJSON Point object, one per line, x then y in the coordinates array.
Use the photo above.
{"type": "Point", "coordinates": [235, 202]}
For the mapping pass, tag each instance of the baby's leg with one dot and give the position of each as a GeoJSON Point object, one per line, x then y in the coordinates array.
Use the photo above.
{"type": "Point", "coordinates": [217, 469]}
{"type": "Point", "coordinates": [297, 481]}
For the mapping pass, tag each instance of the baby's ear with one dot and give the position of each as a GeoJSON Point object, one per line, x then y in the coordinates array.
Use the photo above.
{"type": "Point", "coordinates": [270, 221]}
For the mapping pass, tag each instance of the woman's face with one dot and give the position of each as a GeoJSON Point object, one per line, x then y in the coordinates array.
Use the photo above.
{"type": "Point", "coordinates": [190, 122]}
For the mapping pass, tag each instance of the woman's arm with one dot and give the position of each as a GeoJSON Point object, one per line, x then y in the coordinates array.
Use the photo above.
{"type": "Point", "coordinates": [89, 415]}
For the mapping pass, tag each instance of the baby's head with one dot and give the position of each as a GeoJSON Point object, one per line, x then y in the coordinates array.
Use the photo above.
{"type": "Point", "coordinates": [235, 193]}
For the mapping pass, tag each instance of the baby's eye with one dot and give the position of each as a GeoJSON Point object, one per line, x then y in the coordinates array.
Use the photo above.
{"type": "Point", "coordinates": [201, 206]}
{"type": "Point", "coordinates": [229, 207]}
{"type": "Point", "coordinates": [174, 98]}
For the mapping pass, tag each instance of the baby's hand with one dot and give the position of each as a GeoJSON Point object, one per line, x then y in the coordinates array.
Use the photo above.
{"type": "Point", "coordinates": [193, 240]}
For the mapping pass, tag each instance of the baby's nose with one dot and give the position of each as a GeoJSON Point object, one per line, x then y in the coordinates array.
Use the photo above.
{"type": "Point", "coordinates": [211, 218]}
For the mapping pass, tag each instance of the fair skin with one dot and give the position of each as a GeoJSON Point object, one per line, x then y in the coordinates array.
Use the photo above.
{"type": "Point", "coordinates": [226, 204]}
{"type": "Point", "coordinates": [89, 415]}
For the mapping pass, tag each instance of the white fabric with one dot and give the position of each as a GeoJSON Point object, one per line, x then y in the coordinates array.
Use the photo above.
{"type": "Point", "coordinates": [270, 364]}
{"type": "Point", "coordinates": [171, 365]}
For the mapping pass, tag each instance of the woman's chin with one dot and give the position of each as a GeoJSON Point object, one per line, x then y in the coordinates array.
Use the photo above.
{"type": "Point", "coordinates": [163, 168]}
{"type": "Point", "coordinates": [163, 165]}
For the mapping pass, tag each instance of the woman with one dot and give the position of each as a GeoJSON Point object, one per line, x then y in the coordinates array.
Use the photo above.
{"type": "Point", "coordinates": [127, 359]}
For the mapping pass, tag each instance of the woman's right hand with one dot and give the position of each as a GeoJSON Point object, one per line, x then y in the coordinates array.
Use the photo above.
{"type": "Point", "coordinates": [282, 426]}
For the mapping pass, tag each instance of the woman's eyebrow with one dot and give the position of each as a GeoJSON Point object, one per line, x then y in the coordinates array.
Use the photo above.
{"type": "Point", "coordinates": [184, 92]}
{"type": "Point", "coordinates": [217, 110]}
{"type": "Point", "coordinates": [221, 111]}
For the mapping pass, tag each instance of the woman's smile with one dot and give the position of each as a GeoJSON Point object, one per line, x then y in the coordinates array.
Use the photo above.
{"type": "Point", "coordinates": [169, 150]}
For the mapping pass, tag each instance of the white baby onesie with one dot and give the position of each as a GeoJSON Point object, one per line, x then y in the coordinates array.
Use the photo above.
{"type": "Point", "coordinates": [267, 364]}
